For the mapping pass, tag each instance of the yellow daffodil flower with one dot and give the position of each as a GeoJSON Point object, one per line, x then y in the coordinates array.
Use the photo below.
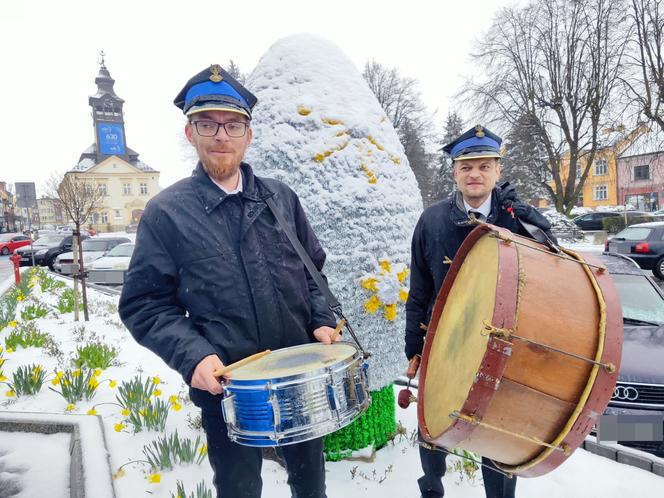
{"type": "Point", "coordinates": [390, 312]}
{"type": "Point", "coordinates": [77, 372]}
{"type": "Point", "coordinates": [3, 378]}
{"type": "Point", "coordinates": [176, 407]}
{"type": "Point", "coordinates": [372, 304]}
{"type": "Point", "coordinates": [125, 412]}
{"type": "Point", "coordinates": [154, 478]}
{"type": "Point", "coordinates": [403, 294]}
{"type": "Point", "coordinates": [10, 393]}
{"type": "Point", "coordinates": [10, 350]}
{"type": "Point", "coordinates": [369, 284]}
{"type": "Point", "coordinates": [70, 407]}
{"type": "Point", "coordinates": [112, 384]}
{"type": "Point", "coordinates": [92, 411]}
{"type": "Point", "coordinates": [13, 325]}
{"type": "Point", "coordinates": [402, 275]}
{"type": "Point", "coordinates": [97, 372]}
{"type": "Point", "coordinates": [156, 392]}
{"type": "Point", "coordinates": [119, 427]}
{"type": "Point", "coordinates": [173, 398]}
{"type": "Point", "coordinates": [385, 265]}
{"type": "Point", "coordinates": [156, 380]}
{"type": "Point", "coordinates": [119, 473]}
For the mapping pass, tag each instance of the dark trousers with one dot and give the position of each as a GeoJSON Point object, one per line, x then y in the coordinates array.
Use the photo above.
{"type": "Point", "coordinates": [496, 484]}
{"type": "Point", "coordinates": [237, 468]}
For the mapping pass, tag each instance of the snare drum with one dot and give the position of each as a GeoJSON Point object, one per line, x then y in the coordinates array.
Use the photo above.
{"type": "Point", "coordinates": [296, 394]}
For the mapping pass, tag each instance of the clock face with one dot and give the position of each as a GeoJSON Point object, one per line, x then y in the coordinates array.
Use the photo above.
{"type": "Point", "coordinates": [111, 138]}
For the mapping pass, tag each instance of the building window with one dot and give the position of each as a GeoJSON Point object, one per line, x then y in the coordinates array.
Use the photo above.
{"type": "Point", "coordinates": [579, 199]}
{"type": "Point", "coordinates": [601, 167]}
{"type": "Point", "coordinates": [578, 171]}
{"type": "Point", "coordinates": [117, 213]}
{"type": "Point", "coordinates": [95, 218]}
{"type": "Point", "coordinates": [600, 193]}
{"type": "Point", "coordinates": [104, 217]}
{"type": "Point", "coordinates": [144, 189]}
{"type": "Point", "coordinates": [642, 172]}
{"type": "Point", "coordinates": [102, 189]}
{"type": "Point", "coordinates": [126, 188]}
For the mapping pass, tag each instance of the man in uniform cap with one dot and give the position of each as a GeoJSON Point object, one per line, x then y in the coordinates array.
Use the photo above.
{"type": "Point", "coordinates": [212, 279]}
{"type": "Point", "coordinates": [438, 235]}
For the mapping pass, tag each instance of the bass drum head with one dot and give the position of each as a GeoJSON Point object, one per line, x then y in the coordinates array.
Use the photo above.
{"type": "Point", "coordinates": [458, 346]}
{"type": "Point", "coordinates": [294, 361]}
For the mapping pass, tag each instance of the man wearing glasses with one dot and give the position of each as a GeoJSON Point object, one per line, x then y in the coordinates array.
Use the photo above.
{"type": "Point", "coordinates": [213, 278]}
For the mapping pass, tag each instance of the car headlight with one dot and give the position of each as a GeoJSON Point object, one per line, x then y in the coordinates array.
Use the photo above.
{"type": "Point", "coordinates": [120, 266]}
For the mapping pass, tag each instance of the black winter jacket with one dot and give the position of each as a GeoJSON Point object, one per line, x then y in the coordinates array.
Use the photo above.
{"type": "Point", "coordinates": [438, 235]}
{"type": "Point", "coordinates": [213, 273]}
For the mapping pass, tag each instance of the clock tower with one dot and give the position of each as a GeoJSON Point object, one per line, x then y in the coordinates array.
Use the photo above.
{"type": "Point", "coordinates": [107, 117]}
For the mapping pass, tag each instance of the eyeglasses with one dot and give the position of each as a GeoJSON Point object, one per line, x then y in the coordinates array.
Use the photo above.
{"type": "Point", "coordinates": [234, 129]}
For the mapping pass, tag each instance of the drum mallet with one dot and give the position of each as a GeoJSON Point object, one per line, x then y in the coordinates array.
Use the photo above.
{"type": "Point", "coordinates": [406, 397]}
{"type": "Point", "coordinates": [229, 368]}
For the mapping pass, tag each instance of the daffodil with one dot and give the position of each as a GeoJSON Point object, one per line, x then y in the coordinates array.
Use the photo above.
{"type": "Point", "coordinates": [154, 478]}
{"type": "Point", "coordinates": [142, 412]}
{"type": "Point", "coordinates": [119, 427]}
{"type": "Point", "coordinates": [55, 381]}
{"type": "Point", "coordinates": [112, 384]}
{"type": "Point", "coordinates": [390, 312]}
{"type": "Point", "coordinates": [385, 265]}
{"type": "Point", "coordinates": [92, 411]}
{"type": "Point", "coordinates": [93, 383]}
{"type": "Point", "coordinates": [176, 407]}
{"type": "Point", "coordinates": [97, 372]}
{"type": "Point", "coordinates": [402, 275]}
{"type": "Point", "coordinates": [203, 450]}
{"type": "Point", "coordinates": [119, 473]}
{"type": "Point", "coordinates": [13, 325]}
{"type": "Point", "coordinates": [10, 393]}
{"type": "Point", "coordinates": [125, 412]}
{"type": "Point", "coordinates": [77, 372]}
{"type": "Point", "coordinates": [173, 398]}
{"type": "Point", "coordinates": [70, 407]}
{"type": "Point", "coordinates": [403, 294]}
{"type": "Point", "coordinates": [369, 284]}
{"type": "Point", "coordinates": [156, 392]}
{"type": "Point", "coordinates": [156, 380]}
{"type": "Point", "coordinates": [3, 378]}
{"type": "Point", "coordinates": [372, 304]}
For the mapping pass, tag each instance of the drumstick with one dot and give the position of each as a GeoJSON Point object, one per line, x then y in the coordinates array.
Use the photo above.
{"type": "Point", "coordinates": [337, 331]}
{"type": "Point", "coordinates": [229, 368]}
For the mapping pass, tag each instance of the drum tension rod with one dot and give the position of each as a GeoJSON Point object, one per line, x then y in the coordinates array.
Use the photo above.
{"type": "Point", "coordinates": [432, 447]}
{"type": "Point", "coordinates": [474, 420]}
{"type": "Point", "coordinates": [507, 334]}
{"type": "Point", "coordinates": [566, 257]}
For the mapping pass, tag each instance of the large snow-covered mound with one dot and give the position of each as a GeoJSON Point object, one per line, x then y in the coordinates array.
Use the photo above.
{"type": "Point", "coordinates": [320, 129]}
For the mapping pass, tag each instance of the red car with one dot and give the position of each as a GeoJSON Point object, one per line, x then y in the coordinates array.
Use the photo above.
{"type": "Point", "coordinates": [11, 241]}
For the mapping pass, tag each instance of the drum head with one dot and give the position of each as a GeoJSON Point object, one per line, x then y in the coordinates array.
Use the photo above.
{"type": "Point", "coordinates": [295, 360]}
{"type": "Point", "coordinates": [458, 345]}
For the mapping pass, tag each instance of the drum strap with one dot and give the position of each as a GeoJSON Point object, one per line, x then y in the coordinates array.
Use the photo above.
{"type": "Point", "coordinates": [332, 301]}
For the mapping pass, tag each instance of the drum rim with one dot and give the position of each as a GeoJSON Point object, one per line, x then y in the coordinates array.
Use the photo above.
{"type": "Point", "coordinates": [260, 384]}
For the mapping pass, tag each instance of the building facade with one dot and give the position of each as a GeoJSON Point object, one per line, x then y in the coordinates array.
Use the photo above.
{"type": "Point", "coordinates": [641, 173]}
{"type": "Point", "coordinates": [126, 182]}
{"type": "Point", "coordinates": [50, 212]}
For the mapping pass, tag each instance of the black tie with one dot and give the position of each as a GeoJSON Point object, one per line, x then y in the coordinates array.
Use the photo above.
{"type": "Point", "coordinates": [476, 214]}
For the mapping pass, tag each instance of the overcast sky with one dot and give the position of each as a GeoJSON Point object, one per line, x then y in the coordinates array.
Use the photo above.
{"type": "Point", "coordinates": [49, 59]}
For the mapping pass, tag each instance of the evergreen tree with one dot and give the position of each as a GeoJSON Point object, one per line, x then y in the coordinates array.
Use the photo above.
{"type": "Point", "coordinates": [443, 180]}
{"type": "Point", "coordinates": [235, 72]}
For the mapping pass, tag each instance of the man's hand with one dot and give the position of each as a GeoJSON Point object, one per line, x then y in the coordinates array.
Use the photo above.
{"type": "Point", "coordinates": [324, 335]}
{"type": "Point", "coordinates": [203, 377]}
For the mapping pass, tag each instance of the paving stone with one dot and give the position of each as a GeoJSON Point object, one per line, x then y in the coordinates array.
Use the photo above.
{"type": "Point", "coordinates": [598, 449]}
{"type": "Point", "coordinates": [635, 460]}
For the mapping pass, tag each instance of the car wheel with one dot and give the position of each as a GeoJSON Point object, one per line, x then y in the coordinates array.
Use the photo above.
{"type": "Point", "coordinates": [658, 269]}
{"type": "Point", "coordinates": [50, 264]}
{"type": "Point", "coordinates": [5, 251]}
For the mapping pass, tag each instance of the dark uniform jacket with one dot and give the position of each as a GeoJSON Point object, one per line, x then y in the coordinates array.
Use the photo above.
{"type": "Point", "coordinates": [213, 273]}
{"type": "Point", "coordinates": [438, 235]}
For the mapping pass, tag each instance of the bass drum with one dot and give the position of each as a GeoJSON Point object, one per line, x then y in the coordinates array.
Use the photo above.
{"type": "Point", "coordinates": [522, 352]}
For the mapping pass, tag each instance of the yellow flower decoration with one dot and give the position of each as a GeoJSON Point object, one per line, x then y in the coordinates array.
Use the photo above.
{"type": "Point", "coordinates": [77, 372]}
{"type": "Point", "coordinates": [70, 407]}
{"type": "Point", "coordinates": [403, 295]}
{"type": "Point", "coordinates": [20, 298]}
{"type": "Point", "coordinates": [92, 411]}
{"type": "Point", "coordinates": [385, 266]}
{"type": "Point", "coordinates": [142, 413]}
{"type": "Point", "coordinates": [10, 393]}
{"type": "Point", "coordinates": [119, 473]}
{"type": "Point", "coordinates": [401, 276]}
{"type": "Point", "coordinates": [97, 372]}
{"type": "Point", "coordinates": [173, 398]}
{"type": "Point", "coordinates": [372, 304]}
{"type": "Point", "coordinates": [369, 284]}
{"type": "Point", "coordinates": [154, 478]}
{"type": "Point", "coordinates": [10, 350]}
{"type": "Point", "coordinates": [203, 450]}
{"type": "Point", "coordinates": [156, 380]}
{"type": "Point", "coordinates": [3, 378]}
{"type": "Point", "coordinates": [125, 412]}
{"type": "Point", "coordinates": [176, 407]}
{"type": "Point", "coordinates": [156, 392]}
{"type": "Point", "coordinates": [390, 312]}
{"type": "Point", "coordinates": [113, 384]}
{"type": "Point", "coordinates": [93, 383]}
{"type": "Point", "coordinates": [13, 325]}
{"type": "Point", "coordinates": [119, 427]}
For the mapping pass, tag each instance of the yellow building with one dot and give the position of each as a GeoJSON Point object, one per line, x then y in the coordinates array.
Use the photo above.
{"type": "Point", "coordinates": [601, 185]}
{"type": "Point", "coordinates": [126, 182]}
{"type": "Point", "coordinates": [50, 212]}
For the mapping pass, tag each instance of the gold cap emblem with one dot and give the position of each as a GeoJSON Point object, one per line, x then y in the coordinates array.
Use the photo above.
{"type": "Point", "coordinates": [216, 76]}
{"type": "Point", "coordinates": [479, 131]}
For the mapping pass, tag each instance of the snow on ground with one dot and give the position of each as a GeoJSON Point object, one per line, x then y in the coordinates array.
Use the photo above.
{"type": "Point", "coordinates": [23, 470]}
{"type": "Point", "coordinates": [390, 472]}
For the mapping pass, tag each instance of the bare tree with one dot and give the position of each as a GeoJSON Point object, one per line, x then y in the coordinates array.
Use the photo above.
{"type": "Point", "coordinates": [80, 198]}
{"type": "Point", "coordinates": [645, 81]}
{"type": "Point", "coordinates": [402, 103]}
{"type": "Point", "coordinates": [556, 64]}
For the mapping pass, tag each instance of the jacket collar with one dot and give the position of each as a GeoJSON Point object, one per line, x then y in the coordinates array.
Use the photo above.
{"type": "Point", "coordinates": [212, 196]}
{"type": "Point", "coordinates": [458, 213]}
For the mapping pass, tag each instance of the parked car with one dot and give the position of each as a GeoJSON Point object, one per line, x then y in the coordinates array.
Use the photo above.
{"type": "Point", "coordinates": [131, 228]}
{"type": "Point", "coordinates": [45, 250]}
{"type": "Point", "coordinates": [9, 242]}
{"type": "Point", "coordinates": [593, 221]}
{"type": "Point", "coordinates": [644, 243]}
{"type": "Point", "coordinates": [93, 249]}
{"type": "Point", "coordinates": [640, 387]}
{"type": "Point", "coordinates": [111, 268]}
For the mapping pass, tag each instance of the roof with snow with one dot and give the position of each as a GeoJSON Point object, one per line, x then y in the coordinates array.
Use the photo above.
{"type": "Point", "coordinates": [88, 159]}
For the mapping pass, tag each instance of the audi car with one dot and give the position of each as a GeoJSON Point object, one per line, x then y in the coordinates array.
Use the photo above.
{"type": "Point", "coordinates": [640, 387]}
